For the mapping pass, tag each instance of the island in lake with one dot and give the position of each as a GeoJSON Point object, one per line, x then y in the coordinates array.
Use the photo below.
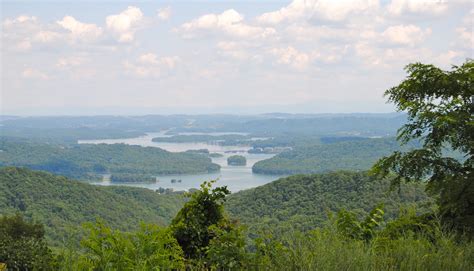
{"type": "Point", "coordinates": [236, 160]}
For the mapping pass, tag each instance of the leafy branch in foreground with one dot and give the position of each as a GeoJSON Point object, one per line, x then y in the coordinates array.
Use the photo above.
{"type": "Point", "coordinates": [440, 107]}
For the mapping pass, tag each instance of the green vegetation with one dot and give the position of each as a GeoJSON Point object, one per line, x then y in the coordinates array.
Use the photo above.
{"type": "Point", "coordinates": [215, 155]}
{"type": "Point", "coordinates": [63, 205]}
{"type": "Point", "coordinates": [236, 160]}
{"type": "Point", "coordinates": [22, 245]}
{"type": "Point", "coordinates": [200, 151]}
{"type": "Point", "coordinates": [90, 161]}
{"type": "Point", "coordinates": [301, 202]}
{"type": "Point", "coordinates": [367, 225]}
{"type": "Point", "coordinates": [132, 178]}
{"type": "Point", "coordinates": [317, 158]}
{"type": "Point", "coordinates": [201, 237]}
{"type": "Point", "coordinates": [440, 106]}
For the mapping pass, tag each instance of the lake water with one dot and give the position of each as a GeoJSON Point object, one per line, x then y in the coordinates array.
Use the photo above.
{"type": "Point", "coordinates": [235, 177]}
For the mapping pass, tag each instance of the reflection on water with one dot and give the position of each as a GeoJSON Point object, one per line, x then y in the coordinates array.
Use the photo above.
{"type": "Point", "coordinates": [235, 177]}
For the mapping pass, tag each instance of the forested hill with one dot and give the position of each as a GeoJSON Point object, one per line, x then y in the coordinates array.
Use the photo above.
{"type": "Point", "coordinates": [89, 161]}
{"type": "Point", "coordinates": [302, 202]}
{"type": "Point", "coordinates": [63, 205]}
{"type": "Point", "coordinates": [317, 158]}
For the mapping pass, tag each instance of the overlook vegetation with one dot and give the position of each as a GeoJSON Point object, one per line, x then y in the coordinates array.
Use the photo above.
{"type": "Point", "coordinates": [358, 154]}
{"type": "Point", "coordinates": [89, 161]}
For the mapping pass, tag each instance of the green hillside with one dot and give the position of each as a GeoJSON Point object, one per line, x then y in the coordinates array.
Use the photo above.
{"type": "Point", "coordinates": [89, 161]}
{"type": "Point", "coordinates": [62, 205]}
{"type": "Point", "coordinates": [317, 158]}
{"type": "Point", "coordinates": [302, 202]}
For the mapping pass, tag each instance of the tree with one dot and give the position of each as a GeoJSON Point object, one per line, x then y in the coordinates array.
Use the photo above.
{"type": "Point", "coordinates": [22, 245]}
{"type": "Point", "coordinates": [190, 226]}
{"type": "Point", "coordinates": [440, 108]}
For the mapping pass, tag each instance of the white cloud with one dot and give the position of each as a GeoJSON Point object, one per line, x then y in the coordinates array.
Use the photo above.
{"type": "Point", "coordinates": [125, 24]}
{"type": "Point", "coordinates": [24, 45]}
{"type": "Point", "coordinates": [150, 65]}
{"type": "Point", "coordinates": [149, 58]}
{"type": "Point", "coordinates": [400, 7]}
{"type": "Point", "coordinates": [68, 62]}
{"type": "Point", "coordinates": [22, 19]}
{"type": "Point", "coordinates": [46, 36]}
{"type": "Point", "coordinates": [319, 9]}
{"type": "Point", "coordinates": [34, 74]}
{"type": "Point", "coordinates": [164, 13]}
{"type": "Point", "coordinates": [235, 50]}
{"type": "Point", "coordinates": [405, 34]}
{"type": "Point", "coordinates": [229, 22]}
{"type": "Point", "coordinates": [291, 56]}
{"type": "Point", "coordinates": [466, 31]}
{"type": "Point", "coordinates": [80, 31]}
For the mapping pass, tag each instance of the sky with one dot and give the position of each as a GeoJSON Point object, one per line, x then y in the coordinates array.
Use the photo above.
{"type": "Point", "coordinates": [240, 57]}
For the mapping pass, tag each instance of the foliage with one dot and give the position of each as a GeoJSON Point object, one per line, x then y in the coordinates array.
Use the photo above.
{"type": "Point", "coordinates": [236, 160]}
{"type": "Point", "coordinates": [89, 161]}
{"type": "Point", "coordinates": [22, 245]}
{"type": "Point", "coordinates": [440, 109]}
{"type": "Point", "coordinates": [149, 248]}
{"type": "Point", "coordinates": [226, 250]}
{"type": "Point", "coordinates": [326, 249]}
{"type": "Point", "coordinates": [191, 224]}
{"type": "Point", "coordinates": [63, 205]}
{"type": "Point", "coordinates": [349, 226]}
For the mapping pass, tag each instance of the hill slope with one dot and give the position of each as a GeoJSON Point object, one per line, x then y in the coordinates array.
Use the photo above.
{"type": "Point", "coordinates": [62, 205]}
{"type": "Point", "coordinates": [88, 161]}
{"type": "Point", "coordinates": [317, 158]}
{"type": "Point", "coordinates": [301, 202]}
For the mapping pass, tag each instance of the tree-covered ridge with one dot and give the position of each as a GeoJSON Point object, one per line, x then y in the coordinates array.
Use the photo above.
{"type": "Point", "coordinates": [62, 205]}
{"type": "Point", "coordinates": [302, 201]}
{"type": "Point", "coordinates": [86, 161]}
{"type": "Point", "coordinates": [358, 154]}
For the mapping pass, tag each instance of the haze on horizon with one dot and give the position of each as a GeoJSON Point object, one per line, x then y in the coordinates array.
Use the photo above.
{"type": "Point", "coordinates": [202, 57]}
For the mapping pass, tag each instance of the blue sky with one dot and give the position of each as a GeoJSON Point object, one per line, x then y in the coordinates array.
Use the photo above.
{"type": "Point", "coordinates": [145, 57]}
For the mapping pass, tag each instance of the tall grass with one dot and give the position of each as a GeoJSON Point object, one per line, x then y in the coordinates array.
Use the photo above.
{"type": "Point", "coordinates": [324, 249]}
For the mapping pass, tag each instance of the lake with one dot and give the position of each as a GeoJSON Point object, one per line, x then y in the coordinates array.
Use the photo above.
{"type": "Point", "coordinates": [235, 177]}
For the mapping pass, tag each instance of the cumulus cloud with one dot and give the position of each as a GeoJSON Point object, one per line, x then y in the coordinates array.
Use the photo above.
{"type": "Point", "coordinates": [399, 7]}
{"type": "Point", "coordinates": [406, 34]}
{"type": "Point", "coordinates": [69, 62]}
{"type": "Point", "coordinates": [22, 19]}
{"type": "Point", "coordinates": [291, 56]}
{"type": "Point", "coordinates": [319, 9]}
{"type": "Point", "coordinates": [150, 65]}
{"type": "Point", "coordinates": [23, 32]}
{"type": "Point", "coordinates": [125, 24]}
{"type": "Point", "coordinates": [80, 31]}
{"type": "Point", "coordinates": [31, 73]}
{"type": "Point", "coordinates": [46, 36]}
{"type": "Point", "coordinates": [466, 32]}
{"type": "Point", "coordinates": [229, 22]}
{"type": "Point", "coordinates": [164, 13]}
